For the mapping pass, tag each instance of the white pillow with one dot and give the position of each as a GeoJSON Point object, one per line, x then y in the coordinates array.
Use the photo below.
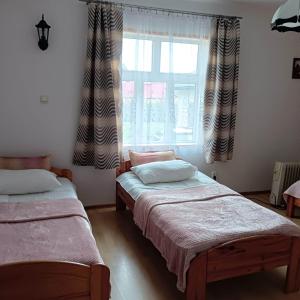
{"type": "Point", "coordinates": [15, 182]}
{"type": "Point", "coordinates": [164, 171]}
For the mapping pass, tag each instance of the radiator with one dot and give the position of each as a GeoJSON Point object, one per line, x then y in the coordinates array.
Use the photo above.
{"type": "Point", "coordinates": [285, 174]}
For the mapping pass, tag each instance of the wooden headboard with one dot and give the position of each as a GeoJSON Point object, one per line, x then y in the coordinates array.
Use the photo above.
{"type": "Point", "coordinates": [35, 162]}
{"type": "Point", "coordinates": [124, 167]}
{"type": "Point", "coordinates": [62, 173]}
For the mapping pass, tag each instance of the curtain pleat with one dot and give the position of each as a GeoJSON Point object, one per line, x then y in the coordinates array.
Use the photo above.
{"type": "Point", "coordinates": [99, 135]}
{"type": "Point", "coordinates": [221, 91]}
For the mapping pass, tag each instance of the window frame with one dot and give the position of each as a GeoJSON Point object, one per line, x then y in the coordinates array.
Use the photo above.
{"type": "Point", "coordinates": [157, 76]}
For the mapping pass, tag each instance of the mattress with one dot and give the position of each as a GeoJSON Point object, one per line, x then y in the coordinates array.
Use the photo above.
{"type": "Point", "coordinates": [66, 190]}
{"type": "Point", "coordinates": [135, 187]}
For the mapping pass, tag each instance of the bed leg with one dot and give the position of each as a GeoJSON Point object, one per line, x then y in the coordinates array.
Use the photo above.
{"type": "Point", "coordinates": [196, 278]}
{"type": "Point", "coordinates": [120, 205]}
{"type": "Point", "coordinates": [292, 283]}
{"type": "Point", "coordinates": [290, 207]}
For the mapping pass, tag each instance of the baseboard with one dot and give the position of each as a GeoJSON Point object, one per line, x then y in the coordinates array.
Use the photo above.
{"type": "Point", "coordinates": [99, 206]}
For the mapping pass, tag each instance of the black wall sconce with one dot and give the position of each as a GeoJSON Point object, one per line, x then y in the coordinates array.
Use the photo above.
{"type": "Point", "coordinates": [43, 32]}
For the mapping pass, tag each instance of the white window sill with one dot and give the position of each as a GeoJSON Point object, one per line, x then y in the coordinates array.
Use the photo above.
{"type": "Point", "coordinates": [161, 145]}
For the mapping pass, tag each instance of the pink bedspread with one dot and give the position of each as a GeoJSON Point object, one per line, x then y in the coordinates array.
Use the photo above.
{"type": "Point", "coordinates": [182, 223]}
{"type": "Point", "coordinates": [46, 230]}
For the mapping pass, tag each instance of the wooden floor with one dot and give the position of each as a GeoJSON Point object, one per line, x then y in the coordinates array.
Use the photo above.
{"type": "Point", "coordinates": [138, 272]}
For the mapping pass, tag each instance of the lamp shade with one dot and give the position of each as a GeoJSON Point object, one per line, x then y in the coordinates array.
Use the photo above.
{"type": "Point", "coordinates": [286, 18]}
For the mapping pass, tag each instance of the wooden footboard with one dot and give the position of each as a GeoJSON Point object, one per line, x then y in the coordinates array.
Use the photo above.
{"type": "Point", "coordinates": [242, 257]}
{"type": "Point", "coordinates": [54, 280]}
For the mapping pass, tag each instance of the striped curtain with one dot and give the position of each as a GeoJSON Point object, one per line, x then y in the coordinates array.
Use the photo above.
{"type": "Point", "coordinates": [221, 91]}
{"type": "Point", "coordinates": [98, 134]}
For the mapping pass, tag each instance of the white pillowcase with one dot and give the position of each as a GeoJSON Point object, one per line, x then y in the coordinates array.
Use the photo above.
{"type": "Point", "coordinates": [164, 171]}
{"type": "Point", "coordinates": [16, 182]}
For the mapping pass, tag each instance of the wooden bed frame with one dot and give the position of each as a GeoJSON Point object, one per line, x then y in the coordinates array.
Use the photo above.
{"type": "Point", "coordinates": [55, 280]}
{"type": "Point", "coordinates": [292, 202]}
{"type": "Point", "coordinates": [62, 173]}
{"type": "Point", "coordinates": [234, 258]}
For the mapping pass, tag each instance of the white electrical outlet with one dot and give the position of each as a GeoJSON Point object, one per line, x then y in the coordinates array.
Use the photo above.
{"type": "Point", "coordinates": [44, 99]}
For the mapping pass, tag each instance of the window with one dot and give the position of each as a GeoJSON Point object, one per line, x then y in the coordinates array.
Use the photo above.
{"type": "Point", "coordinates": [188, 65]}
{"type": "Point", "coordinates": [140, 49]}
{"type": "Point", "coordinates": [163, 86]}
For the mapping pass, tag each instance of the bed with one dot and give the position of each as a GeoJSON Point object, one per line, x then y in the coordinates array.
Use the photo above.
{"type": "Point", "coordinates": [244, 254]}
{"type": "Point", "coordinates": [59, 257]}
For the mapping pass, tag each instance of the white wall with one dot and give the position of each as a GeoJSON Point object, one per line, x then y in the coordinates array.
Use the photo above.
{"type": "Point", "coordinates": [268, 108]}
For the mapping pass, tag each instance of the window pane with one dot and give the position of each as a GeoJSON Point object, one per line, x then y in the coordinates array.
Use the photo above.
{"type": "Point", "coordinates": [137, 55]}
{"type": "Point", "coordinates": [129, 111]}
{"type": "Point", "coordinates": [154, 90]}
{"type": "Point", "coordinates": [128, 89]}
{"type": "Point", "coordinates": [185, 109]}
{"type": "Point", "coordinates": [178, 58]}
{"type": "Point", "coordinates": [154, 112]}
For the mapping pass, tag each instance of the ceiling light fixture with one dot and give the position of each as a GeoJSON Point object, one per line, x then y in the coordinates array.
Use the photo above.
{"type": "Point", "coordinates": [287, 17]}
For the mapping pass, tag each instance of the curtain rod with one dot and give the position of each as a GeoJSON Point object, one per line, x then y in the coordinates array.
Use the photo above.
{"type": "Point", "coordinates": [173, 11]}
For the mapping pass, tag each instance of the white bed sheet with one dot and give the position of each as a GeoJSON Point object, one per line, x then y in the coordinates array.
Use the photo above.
{"type": "Point", "coordinates": [66, 190]}
{"type": "Point", "coordinates": [135, 187]}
